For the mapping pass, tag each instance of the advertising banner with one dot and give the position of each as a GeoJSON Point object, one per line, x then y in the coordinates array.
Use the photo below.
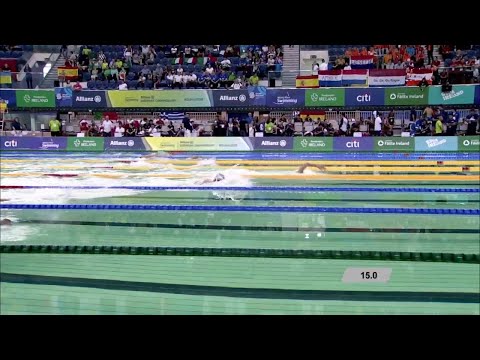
{"type": "Point", "coordinates": [308, 144]}
{"type": "Point", "coordinates": [364, 96]}
{"type": "Point", "coordinates": [9, 97]}
{"type": "Point", "coordinates": [436, 143]}
{"type": "Point", "coordinates": [199, 143]}
{"type": "Point", "coordinates": [460, 94]}
{"type": "Point", "coordinates": [85, 144]}
{"type": "Point", "coordinates": [477, 95]}
{"type": "Point", "coordinates": [33, 143]}
{"type": "Point", "coordinates": [159, 98]}
{"type": "Point", "coordinates": [406, 96]}
{"type": "Point", "coordinates": [469, 143]}
{"type": "Point", "coordinates": [389, 77]}
{"type": "Point", "coordinates": [63, 97]}
{"type": "Point", "coordinates": [286, 98]}
{"type": "Point", "coordinates": [89, 99]}
{"type": "Point", "coordinates": [125, 144]}
{"type": "Point", "coordinates": [325, 97]}
{"type": "Point", "coordinates": [257, 95]}
{"type": "Point", "coordinates": [273, 143]}
{"type": "Point", "coordinates": [394, 144]}
{"type": "Point", "coordinates": [35, 98]}
{"type": "Point", "coordinates": [229, 98]}
{"type": "Point", "coordinates": [353, 144]}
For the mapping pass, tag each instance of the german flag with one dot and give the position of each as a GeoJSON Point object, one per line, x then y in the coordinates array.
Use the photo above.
{"type": "Point", "coordinates": [310, 81]}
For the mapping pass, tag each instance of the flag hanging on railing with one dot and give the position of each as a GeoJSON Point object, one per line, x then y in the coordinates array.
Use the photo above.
{"type": "Point", "coordinates": [330, 78]}
{"type": "Point", "coordinates": [416, 75]}
{"type": "Point", "coordinates": [5, 77]}
{"type": "Point", "coordinates": [68, 73]}
{"type": "Point", "coordinates": [362, 62]}
{"type": "Point", "coordinates": [354, 77]}
{"type": "Point", "coordinates": [392, 77]}
{"type": "Point", "coordinates": [310, 81]}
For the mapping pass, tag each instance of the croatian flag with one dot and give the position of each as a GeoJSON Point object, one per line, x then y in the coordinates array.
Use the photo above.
{"type": "Point", "coordinates": [354, 77]}
{"type": "Point", "coordinates": [393, 77]}
{"type": "Point", "coordinates": [362, 62]}
{"type": "Point", "coordinates": [330, 78]}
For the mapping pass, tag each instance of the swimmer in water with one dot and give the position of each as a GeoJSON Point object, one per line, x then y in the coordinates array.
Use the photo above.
{"type": "Point", "coordinates": [217, 178]}
{"type": "Point", "coordinates": [5, 222]}
{"type": "Point", "coordinates": [302, 168]}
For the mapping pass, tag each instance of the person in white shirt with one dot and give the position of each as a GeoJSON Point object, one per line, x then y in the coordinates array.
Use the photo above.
{"type": "Point", "coordinates": [209, 70]}
{"type": "Point", "coordinates": [226, 64]}
{"type": "Point", "coordinates": [107, 127]}
{"type": "Point", "coordinates": [185, 79]}
{"type": "Point", "coordinates": [122, 86]}
{"type": "Point", "coordinates": [237, 85]}
{"type": "Point", "coordinates": [145, 49]}
{"type": "Point", "coordinates": [315, 67]}
{"type": "Point", "coordinates": [119, 130]}
{"type": "Point", "coordinates": [177, 81]}
{"type": "Point", "coordinates": [180, 70]}
{"type": "Point", "coordinates": [347, 67]}
{"type": "Point", "coordinates": [343, 125]}
{"type": "Point", "coordinates": [378, 125]}
{"type": "Point", "coordinates": [323, 65]}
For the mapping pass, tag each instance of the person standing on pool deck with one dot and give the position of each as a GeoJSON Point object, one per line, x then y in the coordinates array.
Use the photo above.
{"type": "Point", "coordinates": [55, 125]}
{"type": "Point", "coordinates": [107, 127]}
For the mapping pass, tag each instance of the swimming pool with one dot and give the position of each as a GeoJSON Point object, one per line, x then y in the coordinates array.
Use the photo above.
{"type": "Point", "coordinates": [125, 233]}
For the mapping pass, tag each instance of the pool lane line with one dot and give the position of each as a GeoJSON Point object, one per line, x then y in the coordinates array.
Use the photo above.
{"type": "Point", "coordinates": [251, 228]}
{"type": "Point", "coordinates": [235, 208]}
{"type": "Point", "coordinates": [255, 188]}
{"type": "Point", "coordinates": [238, 292]}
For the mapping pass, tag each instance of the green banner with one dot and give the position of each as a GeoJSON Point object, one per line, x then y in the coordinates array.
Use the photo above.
{"type": "Point", "coordinates": [85, 144]}
{"type": "Point", "coordinates": [460, 94]}
{"type": "Point", "coordinates": [406, 96]}
{"type": "Point", "coordinates": [394, 144]}
{"type": "Point", "coordinates": [159, 98]}
{"type": "Point", "coordinates": [36, 98]}
{"type": "Point", "coordinates": [469, 143]}
{"type": "Point", "coordinates": [325, 97]}
{"type": "Point", "coordinates": [307, 144]}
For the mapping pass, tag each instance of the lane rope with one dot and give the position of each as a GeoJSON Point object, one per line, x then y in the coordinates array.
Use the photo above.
{"type": "Point", "coordinates": [287, 209]}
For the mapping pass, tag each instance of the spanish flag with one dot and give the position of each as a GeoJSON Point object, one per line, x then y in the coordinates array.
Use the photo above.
{"type": "Point", "coordinates": [68, 73]}
{"type": "Point", "coordinates": [310, 81]}
{"type": "Point", "coordinates": [5, 77]}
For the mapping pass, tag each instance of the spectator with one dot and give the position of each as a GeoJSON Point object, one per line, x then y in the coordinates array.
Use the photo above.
{"type": "Point", "coordinates": [323, 65]}
{"type": "Point", "coordinates": [119, 129]}
{"type": "Point", "coordinates": [16, 124]}
{"type": "Point", "coordinates": [378, 125]}
{"type": "Point", "coordinates": [253, 79]}
{"type": "Point", "coordinates": [55, 126]}
{"type": "Point", "coordinates": [77, 86]}
{"type": "Point", "coordinates": [439, 126]}
{"type": "Point", "coordinates": [122, 86]}
{"type": "Point", "coordinates": [28, 76]}
{"type": "Point", "coordinates": [107, 126]}
{"type": "Point", "coordinates": [423, 84]}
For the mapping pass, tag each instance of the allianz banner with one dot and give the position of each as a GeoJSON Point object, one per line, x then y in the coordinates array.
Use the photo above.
{"type": "Point", "coordinates": [364, 96]}
{"type": "Point", "coordinates": [125, 144]}
{"type": "Point", "coordinates": [272, 143]}
{"type": "Point", "coordinates": [229, 98]}
{"type": "Point", "coordinates": [89, 99]}
{"type": "Point", "coordinates": [33, 143]}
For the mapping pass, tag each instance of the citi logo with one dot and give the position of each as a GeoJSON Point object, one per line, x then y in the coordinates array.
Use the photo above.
{"type": "Point", "coordinates": [352, 144]}
{"type": "Point", "coordinates": [364, 98]}
{"type": "Point", "coordinates": [11, 143]}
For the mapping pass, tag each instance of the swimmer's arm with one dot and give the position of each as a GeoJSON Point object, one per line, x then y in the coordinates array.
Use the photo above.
{"type": "Point", "coordinates": [302, 168]}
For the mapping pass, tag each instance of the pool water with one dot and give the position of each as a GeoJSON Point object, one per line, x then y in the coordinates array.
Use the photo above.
{"type": "Point", "coordinates": [266, 240]}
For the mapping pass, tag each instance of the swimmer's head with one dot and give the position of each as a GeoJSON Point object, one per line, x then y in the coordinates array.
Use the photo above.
{"type": "Point", "coordinates": [219, 177]}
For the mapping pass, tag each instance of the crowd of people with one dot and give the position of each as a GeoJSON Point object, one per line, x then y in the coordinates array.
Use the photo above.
{"type": "Point", "coordinates": [433, 121]}
{"type": "Point", "coordinates": [174, 66]}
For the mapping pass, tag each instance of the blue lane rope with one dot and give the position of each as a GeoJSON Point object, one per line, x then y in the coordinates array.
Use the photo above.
{"type": "Point", "coordinates": [258, 188]}
{"type": "Point", "coordinates": [290, 209]}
